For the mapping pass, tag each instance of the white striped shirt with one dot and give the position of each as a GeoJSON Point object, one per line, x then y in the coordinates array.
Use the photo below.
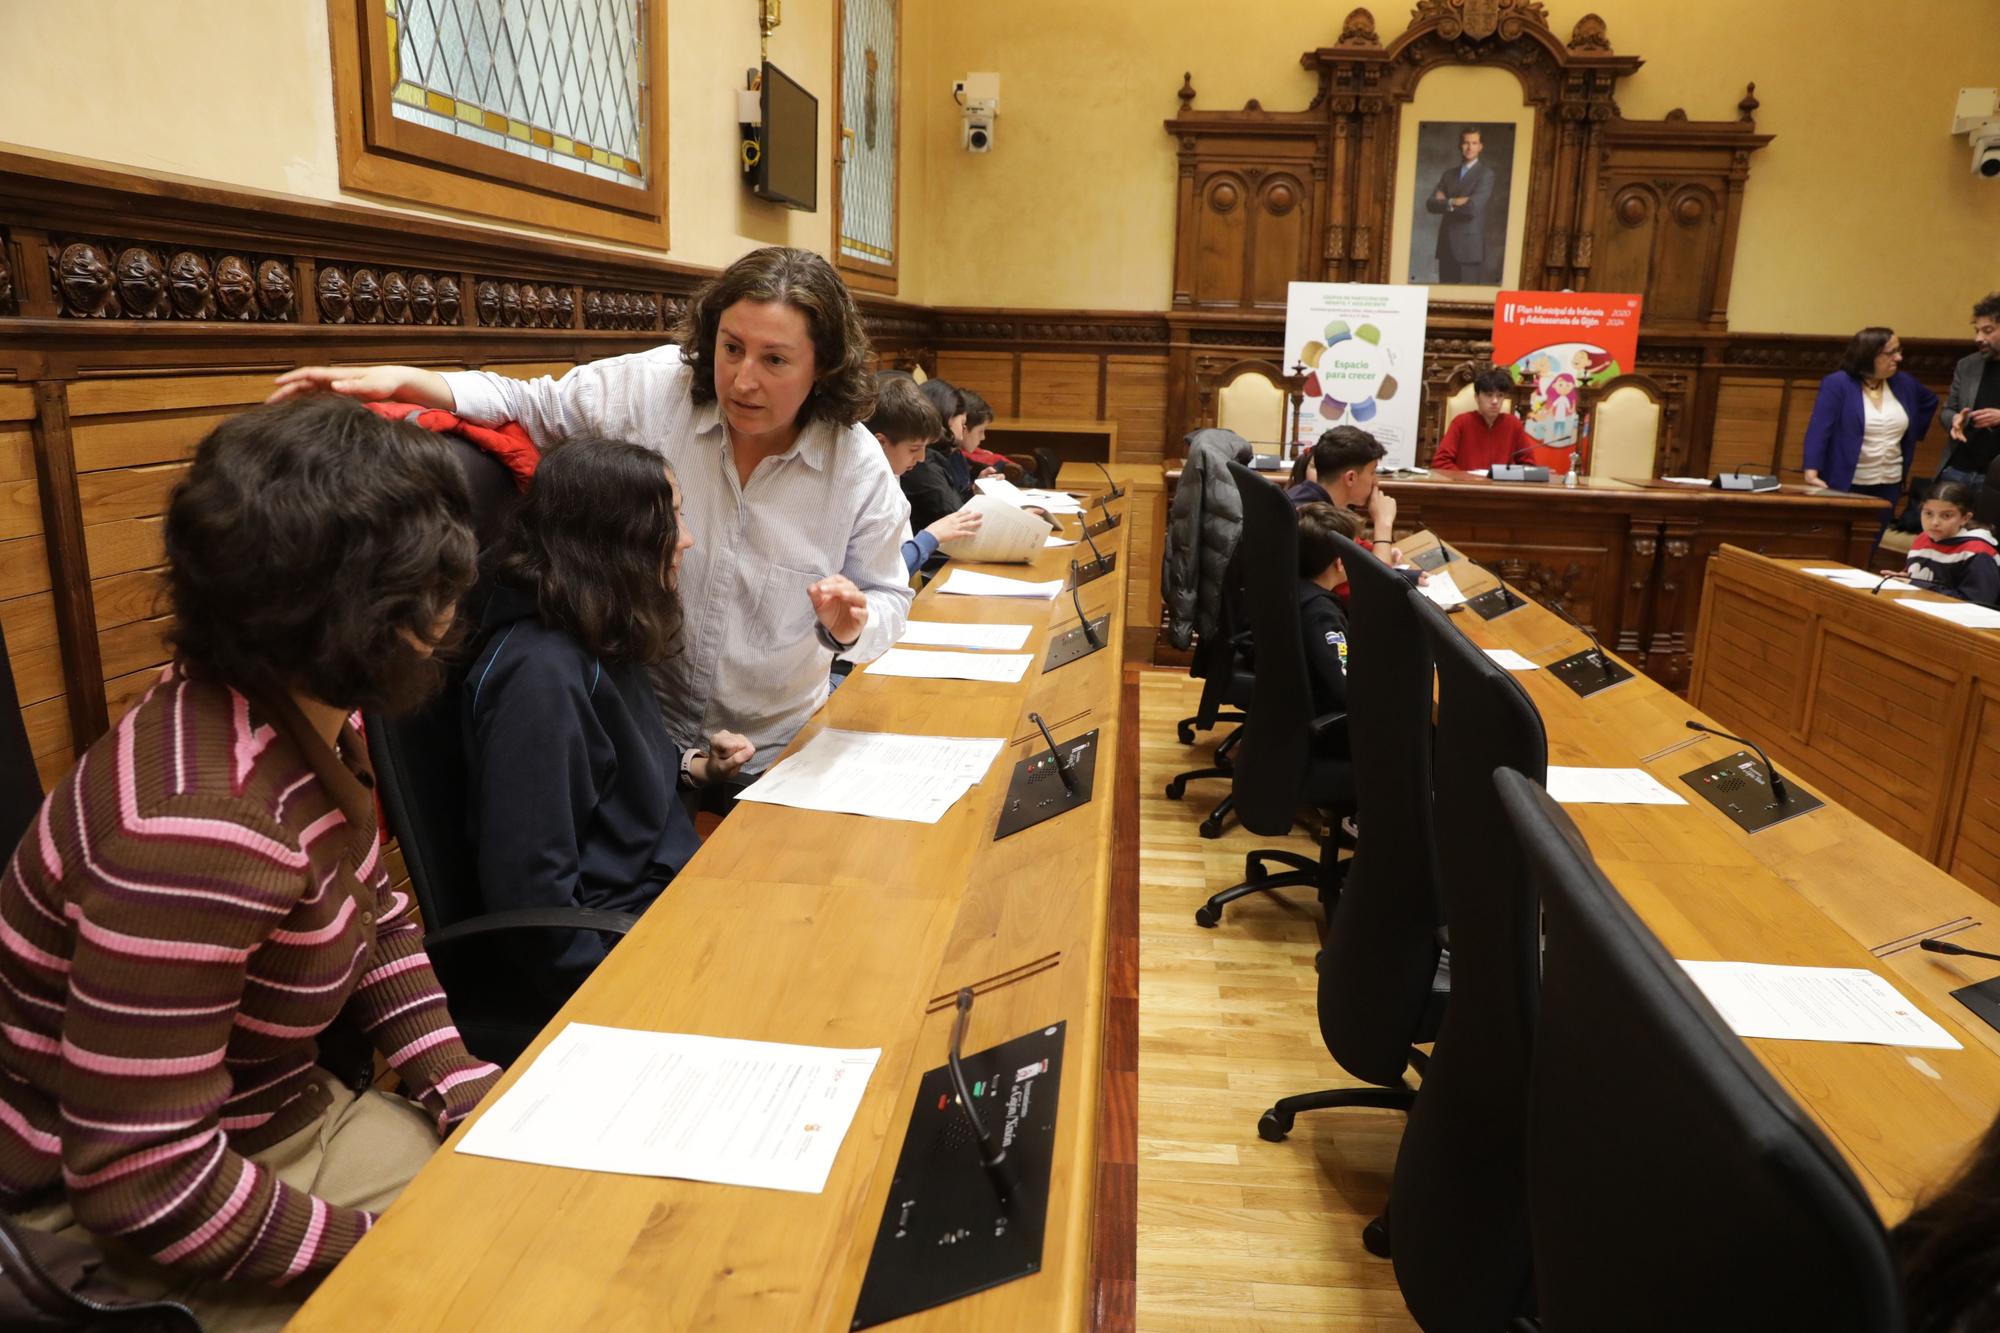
{"type": "Point", "coordinates": [753, 657]}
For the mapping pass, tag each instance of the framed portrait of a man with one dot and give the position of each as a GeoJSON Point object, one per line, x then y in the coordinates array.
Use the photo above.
{"type": "Point", "coordinates": [1459, 208]}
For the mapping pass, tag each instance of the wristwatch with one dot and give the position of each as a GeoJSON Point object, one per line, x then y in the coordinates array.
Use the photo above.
{"type": "Point", "coordinates": [687, 778]}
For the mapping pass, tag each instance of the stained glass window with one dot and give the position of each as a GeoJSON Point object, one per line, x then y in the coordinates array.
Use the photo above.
{"type": "Point", "coordinates": [868, 109]}
{"type": "Point", "coordinates": [563, 82]}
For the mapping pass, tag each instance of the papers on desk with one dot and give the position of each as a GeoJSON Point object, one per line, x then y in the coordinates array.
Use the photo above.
{"type": "Point", "coordinates": [1007, 535]}
{"type": "Point", "coordinates": [1055, 541]}
{"type": "Point", "coordinates": [1442, 589]}
{"type": "Point", "coordinates": [945, 634]}
{"type": "Point", "coordinates": [670, 1104]}
{"type": "Point", "coordinates": [1509, 660]}
{"type": "Point", "coordinates": [1815, 1004]}
{"type": "Point", "coordinates": [971, 583]}
{"type": "Point", "coordinates": [1958, 613]}
{"type": "Point", "coordinates": [878, 774]}
{"type": "Point", "coordinates": [1000, 668]}
{"type": "Point", "coordinates": [1688, 481]}
{"type": "Point", "coordinates": [1608, 786]}
{"type": "Point", "coordinates": [1054, 502]}
{"type": "Point", "coordinates": [1856, 578]}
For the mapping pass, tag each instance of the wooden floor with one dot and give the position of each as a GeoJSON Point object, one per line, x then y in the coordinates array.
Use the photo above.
{"type": "Point", "coordinates": [1236, 1233]}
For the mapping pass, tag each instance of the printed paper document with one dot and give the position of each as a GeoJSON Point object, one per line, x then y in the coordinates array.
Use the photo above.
{"type": "Point", "coordinates": [1442, 589]}
{"type": "Point", "coordinates": [1509, 660]}
{"type": "Point", "coordinates": [1006, 535]}
{"type": "Point", "coordinates": [1054, 502]}
{"type": "Point", "coordinates": [1958, 613]}
{"type": "Point", "coordinates": [1000, 668]}
{"type": "Point", "coordinates": [945, 634]}
{"type": "Point", "coordinates": [1815, 1004]}
{"type": "Point", "coordinates": [971, 583]}
{"type": "Point", "coordinates": [672, 1104]}
{"type": "Point", "coordinates": [877, 773]}
{"type": "Point", "coordinates": [1608, 786]}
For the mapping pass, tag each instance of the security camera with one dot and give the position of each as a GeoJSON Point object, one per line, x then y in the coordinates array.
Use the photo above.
{"type": "Point", "coordinates": [1986, 151]}
{"type": "Point", "coordinates": [978, 132]}
{"type": "Point", "coordinates": [978, 98]}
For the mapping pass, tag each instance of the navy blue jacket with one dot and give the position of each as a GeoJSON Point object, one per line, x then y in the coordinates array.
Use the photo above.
{"type": "Point", "coordinates": [572, 785]}
{"type": "Point", "coordinates": [1833, 435]}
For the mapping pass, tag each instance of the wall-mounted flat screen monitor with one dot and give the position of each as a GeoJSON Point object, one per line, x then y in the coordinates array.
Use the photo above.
{"type": "Point", "coordinates": [787, 172]}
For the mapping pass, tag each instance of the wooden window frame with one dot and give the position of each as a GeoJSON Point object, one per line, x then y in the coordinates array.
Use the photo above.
{"type": "Point", "coordinates": [867, 275]}
{"type": "Point", "coordinates": [381, 155]}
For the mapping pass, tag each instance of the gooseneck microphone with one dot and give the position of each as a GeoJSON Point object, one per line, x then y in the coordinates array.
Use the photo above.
{"type": "Point", "coordinates": [1507, 594]}
{"type": "Point", "coordinates": [1946, 946]}
{"type": "Point", "coordinates": [1083, 617]}
{"type": "Point", "coordinates": [1062, 769]}
{"type": "Point", "coordinates": [1884, 579]}
{"type": "Point", "coordinates": [992, 1152]}
{"type": "Point", "coordinates": [1116, 492]}
{"type": "Point", "coordinates": [1596, 648]}
{"type": "Point", "coordinates": [1097, 555]}
{"type": "Point", "coordinates": [1778, 788]}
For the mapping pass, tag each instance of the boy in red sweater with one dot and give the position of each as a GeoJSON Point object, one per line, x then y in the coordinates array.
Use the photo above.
{"type": "Point", "coordinates": [1950, 555]}
{"type": "Point", "coordinates": [1475, 441]}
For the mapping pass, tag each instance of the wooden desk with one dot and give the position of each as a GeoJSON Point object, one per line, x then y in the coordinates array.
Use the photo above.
{"type": "Point", "coordinates": [1826, 889]}
{"type": "Point", "coordinates": [819, 929]}
{"type": "Point", "coordinates": [1893, 711]}
{"type": "Point", "coordinates": [1624, 557]}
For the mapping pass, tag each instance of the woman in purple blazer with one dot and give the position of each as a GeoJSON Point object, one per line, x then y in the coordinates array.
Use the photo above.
{"type": "Point", "coordinates": [1867, 421]}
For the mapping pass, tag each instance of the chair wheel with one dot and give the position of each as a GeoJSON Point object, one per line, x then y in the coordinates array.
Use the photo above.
{"type": "Point", "coordinates": [1176, 789]}
{"type": "Point", "coordinates": [1186, 732]}
{"type": "Point", "coordinates": [1273, 1125]}
{"type": "Point", "coordinates": [1207, 917]}
{"type": "Point", "coordinates": [1375, 1238]}
{"type": "Point", "coordinates": [1211, 827]}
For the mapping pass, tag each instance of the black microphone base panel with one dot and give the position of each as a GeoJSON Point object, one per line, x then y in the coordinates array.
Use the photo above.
{"type": "Point", "coordinates": [1073, 645]}
{"type": "Point", "coordinates": [1588, 672]}
{"type": "Point", "coordinates": [1740, 787]}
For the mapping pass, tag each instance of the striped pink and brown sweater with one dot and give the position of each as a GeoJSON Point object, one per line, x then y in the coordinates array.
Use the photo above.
{"type": "Point", "coordinates": [196, 901]}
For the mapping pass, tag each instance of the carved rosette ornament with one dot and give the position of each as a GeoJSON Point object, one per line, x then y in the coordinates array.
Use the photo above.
{"type": "Point", "coordinates": [593, 310]}
{"type": "Point", "coordinates": [236, 287]}
{"type": "Point", "coordinates": [365, 296]}
{"type": "Point", "coordinates": [274, 287]}
{"type": "Point", "coordinates": [423, 299]}
{"type": "Point", "coordinates": [1359, 30]}
{"type": "Point", "coordinates": [510, 305]}
{"type": "Point", "coordinates": [1589, 34]}
{"type": "Point", "coordinates": [335, 296]}
{"type": "Point", "coordinates": [142, 283]}
{"type": "Point", "coordinates": [447, 300]}
{"type": "Point", "coordinates": [565, 308]}
{"type": "Point", "coordinates": [486, 303]}
{"type": "Point", "coordinates": [395, 297]}
{"type": "Point", "coordinates": [191, 285]}
{"type": "Point", "coordinates": [83, 277]}
{"type": "Point", "coordinates": [1480, 20]}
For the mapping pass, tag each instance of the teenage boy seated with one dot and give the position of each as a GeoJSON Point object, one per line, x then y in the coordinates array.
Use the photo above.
{"type": "Point", "coordinates": [904, 423]}
{"type": "Point", "coordinates": [1342, 473]}
{"type": "Point", "coordinates": [1477, 440]}
{"type": "Point", "coordinates": [1322, 619]}
{"type": "Point", "coordinates": [978, 416]}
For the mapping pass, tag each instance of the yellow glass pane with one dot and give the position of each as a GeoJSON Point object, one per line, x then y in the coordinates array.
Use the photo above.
{"type": "Point", "coordinates": [541, 138]}
{"type": "Point", "coordinates": [469, 113]}
{"type": "Point", "coordinates": [516, 130]}
{"type": "Point", "coordinates": [408, 94]}
{"type": "Point", "coordinates": [441, 104]}
{"type": "Point", "coordinates": [496, 122]}
{"type": "Point", "coordinates": [564, 145]}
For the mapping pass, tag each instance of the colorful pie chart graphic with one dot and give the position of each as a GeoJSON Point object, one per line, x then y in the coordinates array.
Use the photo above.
{"type": "Point", "coordinates": [1350, 372]}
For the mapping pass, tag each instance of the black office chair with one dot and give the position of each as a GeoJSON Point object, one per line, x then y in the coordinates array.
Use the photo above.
{"type": "Point", "coordinates": [1985, 505]}
{"type": "Point", "coordinates": [20, 781]}
{"type": "Point", "coordinates": [1222, 661]}
{"type": "Point", "coordinates": [421, 777]}
{"type": "Point", "coordinates": [1458, 1204]}
{"type": "Point", "coordinates": [1379, 989]}
{"type": "Point", "coordinates": [1672, 1184]}
{"type": "Point", "coordinates": [1283, 762]}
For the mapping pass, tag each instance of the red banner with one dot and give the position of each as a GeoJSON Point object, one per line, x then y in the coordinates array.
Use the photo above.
{"type": "Point", "coordinates": [1557, 343]}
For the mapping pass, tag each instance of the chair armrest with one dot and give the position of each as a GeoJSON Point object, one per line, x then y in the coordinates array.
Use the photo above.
{"type": "Point", "coordinates": [1324, 726]}
{"type": "Point", "coordinates": [532, 918]}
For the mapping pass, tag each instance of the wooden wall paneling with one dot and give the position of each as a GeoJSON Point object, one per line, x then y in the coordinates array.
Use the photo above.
{"type": "Point", "coordinates": [1857, 730]}
{"type": "Point", "coordinates": [1059, 386]}
{"type": "Point", "coordinates": [1135, 397]}
{"type": "Point", "coordinates": [68, 579]}
{"type": "Point", "coordinates": [27, 608]}
{"type": "Point", "coordinates": [1746, 421]}
{"type": "Point", "coordinates": [1767, 647]}
{"type": "Point", "coordinates": [990, 373]}
{"type": "Point", "coordinates": [1972, 845]}
{"type": "Point", "coordinates": [1798, 405]}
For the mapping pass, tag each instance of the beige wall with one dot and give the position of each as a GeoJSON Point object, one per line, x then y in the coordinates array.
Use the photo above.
{"type": "Point", "coordinates": [240, 92]}
{"type": "Point", "coordinates": [1863, 210]}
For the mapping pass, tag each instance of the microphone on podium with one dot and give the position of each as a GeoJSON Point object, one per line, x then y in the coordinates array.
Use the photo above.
{"type": "Point", "coordinates": [1946, 946]}
{"type": "Point", "coordinates": [1777, 783]}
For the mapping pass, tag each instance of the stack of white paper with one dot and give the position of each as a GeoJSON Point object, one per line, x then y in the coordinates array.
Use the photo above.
{"type": "Point", "coordinates": [1509, 660]}
{"type": "Point", "coordinates": [1608, 786]}
{"type": "Point", "coordinates": [1007, 534]}
{"type": "Point", "coordinates": [672, 1104]}
{"type": "Point", "coordinates": [1442, 589]}
{"type": "Point", "coordinates": [1055, 541]}
{"type": "Point", "coordinates": [971, 583]}
{"type": "Point", "coordinates": [1815, 1004]}
{"type": "Point", "coordinates": [1958, 613]}
{"type": "Point", "coordinates": [879, 774]}
{"type": "Point", "coordinates": [1000, 668]}
{"type": "Point", "coordinates": [1054, 502]}
{"type": "Point", "coordinates": [945, 634]}
{"type": "Point", "coordinates": [1857, 578]}
{"type": "Point", "coordinates": [1687, 481]}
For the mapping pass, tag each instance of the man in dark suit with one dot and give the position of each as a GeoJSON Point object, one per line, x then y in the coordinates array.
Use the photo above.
{"type": "Point", "coordinates": [1460, 200]}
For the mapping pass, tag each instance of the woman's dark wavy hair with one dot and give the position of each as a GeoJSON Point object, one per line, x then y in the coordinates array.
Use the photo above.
{"type": "Point", "coordinates": [1862, 349]}
{"type": "Point", "coordinates": [591, 541]}
{"type": "Point", "coordinates": [843, 364]}
{"type": "Point", "coordinates": [306, 547]}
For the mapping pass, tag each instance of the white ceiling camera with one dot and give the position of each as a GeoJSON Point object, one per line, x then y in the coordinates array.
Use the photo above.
{"type": "Point", "coordinates": [978, 98]}
{"type": "Point", "coordinates": [1978, 119]}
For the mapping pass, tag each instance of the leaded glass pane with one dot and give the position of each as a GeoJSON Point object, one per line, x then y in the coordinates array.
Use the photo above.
{"type": "Point", "coordinates": [868, 106]}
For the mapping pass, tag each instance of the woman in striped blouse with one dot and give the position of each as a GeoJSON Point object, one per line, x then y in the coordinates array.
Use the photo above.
{"type": "Point", "coordinates": [203, 894]}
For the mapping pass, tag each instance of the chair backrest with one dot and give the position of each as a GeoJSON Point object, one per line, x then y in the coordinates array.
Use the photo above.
{"type": "Point", "coordinates": [1253, 405]}
{"type": "Point", "coordinates": [1672, 1183]}
{"type": "Point", "coordinates": [1459, 1195]}
{"type": "Point", "coordinates": [1625, 433]}
{"type": "Point", "coordinates": [1461, 400]}
{"type": "Point", "coordinates": [1270, 764]}
{"type": "Point", "coordinates": [1382, 936]}
{"type": "Point", "coordinates": [20, 782]}
{"type": "Point", "coordinates": [1985, 505]}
